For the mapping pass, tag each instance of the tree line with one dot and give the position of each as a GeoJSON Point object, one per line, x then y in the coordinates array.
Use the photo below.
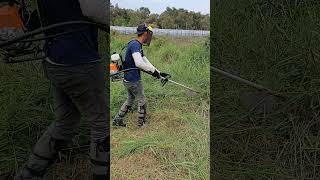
{"type": "Point", "coordinates": [171, 18]}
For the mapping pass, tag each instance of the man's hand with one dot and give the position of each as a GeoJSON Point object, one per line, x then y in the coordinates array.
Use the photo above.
{"type": "Point", "coordinates": [159, 74]}
{"type": "Point", "coordinates": [165, 78]}
{"type": "Point", "coordinates": [156, 74]}
{"type": "Point", "coordinates": [165, 75]}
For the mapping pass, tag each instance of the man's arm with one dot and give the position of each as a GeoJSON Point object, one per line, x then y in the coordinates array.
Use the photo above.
{"type": "Point", "coordinates": [145, 59]}
{"type": "Point", "coordinates": [143, 63]}
{"type": "Point", "coordinates": [164, 75]}
{"type": "Point", "coordinates": [96, 10]}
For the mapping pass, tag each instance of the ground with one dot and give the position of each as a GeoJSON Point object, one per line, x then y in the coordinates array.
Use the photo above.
{"type": "Point", "coordinates": [174, 144]}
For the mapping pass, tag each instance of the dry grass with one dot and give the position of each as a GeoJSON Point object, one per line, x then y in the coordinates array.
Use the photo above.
{"type": "Point", "coordinates": [174, 143]}
{"type": "Point", "coordinates": [273, 43]}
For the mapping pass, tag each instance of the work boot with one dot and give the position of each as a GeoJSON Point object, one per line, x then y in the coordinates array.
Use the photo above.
{"type": "Point", "coordinates": [142, 115]}
{"type": "Point", "coordinates": [44, 154]}
{"type": "Point", "coordinates": [141, 122]}
{"type": "Point", "coordinates": [26, 173]}
{"type": "Point", "coordinates": [118, 122]}
{"type": "Point", "coordinates": [100, 159]}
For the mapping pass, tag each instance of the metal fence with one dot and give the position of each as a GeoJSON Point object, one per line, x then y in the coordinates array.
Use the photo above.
{"type": "Point", "coordinates": [161, 32]}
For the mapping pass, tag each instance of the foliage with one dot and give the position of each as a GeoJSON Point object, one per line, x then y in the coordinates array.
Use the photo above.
{"type": "Point", "coordinates": [26, 109]}
{"type": "Point", "coordinates": [171, 18]}
{"type": "Point", "coordinates": [274, 43]}
{"type": "Point", "coordinates": [174, 144]}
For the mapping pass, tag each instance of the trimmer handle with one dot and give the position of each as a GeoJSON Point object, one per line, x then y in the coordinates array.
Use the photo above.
{"type": "Point", "coordinates": [164, 80]}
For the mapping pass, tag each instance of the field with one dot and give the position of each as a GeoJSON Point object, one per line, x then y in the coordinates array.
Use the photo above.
{"type": "Point", "coordinates": [25, 112]}
{"type": "Point", "coordinates": [175, 142]}
{"type": "Point", "coordinates": [173, 145]}
{"type": "Point", "coordinates": [276, 44]}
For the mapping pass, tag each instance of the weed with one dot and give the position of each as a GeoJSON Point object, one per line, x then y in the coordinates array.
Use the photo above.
{"type": "Point", "coordinates": [177, 134]}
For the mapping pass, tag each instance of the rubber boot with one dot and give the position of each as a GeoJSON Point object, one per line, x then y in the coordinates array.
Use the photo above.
{"type": "Point", "coordinates": [142, 115]}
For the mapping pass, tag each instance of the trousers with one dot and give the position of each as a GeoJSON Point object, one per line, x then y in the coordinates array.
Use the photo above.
{"type": "Point", "coordinates": [135, 90]}
{"type": "Point", "coordinates": [79, 90]}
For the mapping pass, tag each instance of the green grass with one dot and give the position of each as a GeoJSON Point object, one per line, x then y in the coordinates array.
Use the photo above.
{"type": "Point", "coordinates": [276, 44]}
{"type": "Point", "coordinates": [175, 142]}
{"type": "Point", "coordinates": [173, 145]}
{"type": "Point", "coordinates": [26, 109]}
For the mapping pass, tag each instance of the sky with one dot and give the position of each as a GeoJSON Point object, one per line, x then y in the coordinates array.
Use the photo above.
{"type": "Point", "coordinates": [158, 6]}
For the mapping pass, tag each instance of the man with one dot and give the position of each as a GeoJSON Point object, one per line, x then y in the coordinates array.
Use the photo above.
{"type": "Point", "coordinates": [135, 58]}
{"type": "Point", "coordinates": [73, 65]}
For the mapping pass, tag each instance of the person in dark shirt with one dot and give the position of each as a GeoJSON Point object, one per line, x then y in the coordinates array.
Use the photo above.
{"type": "Point", "coordinates": [74, 68]}
{"type": "Point", "coordinates": [135, 58]}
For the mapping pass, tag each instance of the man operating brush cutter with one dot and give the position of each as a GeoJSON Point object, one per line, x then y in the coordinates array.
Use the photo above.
{"type": "Point", "coordinates": [135, 58]}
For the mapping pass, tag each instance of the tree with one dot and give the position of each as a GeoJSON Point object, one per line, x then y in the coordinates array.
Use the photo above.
{"type": "Point", "coordinates": [152, 19]}
{"type": "Point", "coordinates": [171, 18]}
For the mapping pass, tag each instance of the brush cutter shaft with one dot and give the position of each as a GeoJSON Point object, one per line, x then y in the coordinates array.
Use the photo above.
{"type": "Point", "coordinates": [162, 78]}
{"type": "Point", "coordinates": [252, 84]}
{"type": "Point", "coordinates": [123, 71]}
{"type": "Point", "coordinates": [180, 85]}
{"type": "Point", "coordinates": [50, 27]}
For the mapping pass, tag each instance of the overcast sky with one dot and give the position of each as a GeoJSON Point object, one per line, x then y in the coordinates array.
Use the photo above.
{"type": "Point", "coordinates": [158, 6]}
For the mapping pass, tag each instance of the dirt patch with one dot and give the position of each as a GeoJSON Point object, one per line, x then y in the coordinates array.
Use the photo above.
{"type": "Point", "coordinates": [140, 166]}
{"type": "Point", "coordinates": [79, 169]}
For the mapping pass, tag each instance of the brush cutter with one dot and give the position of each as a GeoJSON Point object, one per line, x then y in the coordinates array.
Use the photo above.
{"type": "Point", "coordinates": [165, 80]}
{"type": "Point", "coordinates": [259, 101]}
{"type": "Point", "coordinates": [117, 72]}
{"type": "Point", "coordinates": [117, 75]}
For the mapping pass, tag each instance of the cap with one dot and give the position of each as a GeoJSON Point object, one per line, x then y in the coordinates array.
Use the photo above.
{"type": "Point", "coordinates": [143, 28]}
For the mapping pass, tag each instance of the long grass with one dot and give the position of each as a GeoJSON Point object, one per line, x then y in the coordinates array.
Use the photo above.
{"type": "Point", "coordinates": [26, 109]}
{"type": "Point", "coordinates": [276, 44]}
{"type": "Point", "coordinates": [173, 145]}
{"type": "Point", "coordinates": [175, 142]}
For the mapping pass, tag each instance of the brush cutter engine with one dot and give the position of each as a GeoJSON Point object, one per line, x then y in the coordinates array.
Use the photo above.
{"type": "Point", "coordinates": [15, 21]}
{"type": "Point", "coordinates": [23, 32]}
{"type": "Point", "coordinates": [11, 24]}
{"type": "Point", "coordinates": [115, 67]}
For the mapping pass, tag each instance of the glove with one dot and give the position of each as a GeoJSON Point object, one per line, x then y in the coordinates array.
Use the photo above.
{"type": "Point", "coordinates": [165, 78]}
{"type": "Point", "coordinates": [165, 75]}
{"type": "Point", "coordinates": [156, 74]}
{"type": "Point", "coordinates": [164, 81]}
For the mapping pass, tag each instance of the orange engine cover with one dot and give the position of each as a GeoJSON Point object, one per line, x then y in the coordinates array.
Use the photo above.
{"type": "Point", "coordinates": [10, 18]}
{"type": "Point", "coordinates": [113, 68]}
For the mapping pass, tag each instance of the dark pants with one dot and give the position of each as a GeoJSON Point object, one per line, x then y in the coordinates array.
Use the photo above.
{"type": "Point", "coordinates": [78, 90]}
{"type": "Point", "coordinates": [135, 91]}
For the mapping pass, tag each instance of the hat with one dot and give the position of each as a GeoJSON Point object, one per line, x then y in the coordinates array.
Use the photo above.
{"type": "Point", "coordinates": [143, 28]}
